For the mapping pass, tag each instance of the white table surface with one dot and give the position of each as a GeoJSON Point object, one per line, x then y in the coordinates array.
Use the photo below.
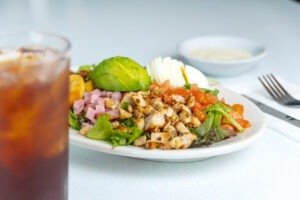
{"type": "Point", "coordinates": [269, 169]}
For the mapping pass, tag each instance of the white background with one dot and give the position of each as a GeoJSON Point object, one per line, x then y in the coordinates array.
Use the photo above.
{"type": "Point", "coordinates": [269, 169]}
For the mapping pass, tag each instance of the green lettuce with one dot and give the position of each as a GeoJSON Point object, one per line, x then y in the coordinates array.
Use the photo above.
{"type": "Point", "coordinates": [74, 121]}
{"type": "Point", "coordinates": [102, 130]}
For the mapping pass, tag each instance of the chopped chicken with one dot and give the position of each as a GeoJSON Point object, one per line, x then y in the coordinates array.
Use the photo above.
{"type": "Point", "coordinates": [177, 107]}
{"type": "Point", "coordinates": [140, 141]}
{"type": "Point", "coordinates": [184, 108]}
{"type": "Point", "coordinates": [183, 142]}
{"type": "Point", "coordinates": [181, 128]}
{"type": "Point", "coordinates": [84, 130]}
{"type": "Point", "coordinates": [152, 144]}
{"type": "Point", "coordinates": [178, 98]}
{"type": "Point", "coordinates": [124, 114]}
{"type": "Point", "coordinates": [170, 129]}
{"type": "Point", "coordinates": [130, 109]}
{"type": "Point", "coordinates": [145, 110]}
{"type": "Point", "coordinates": [140, 122]}
{"type": "Point", "coordinates": [139, 100]}
{"type": "Point", "coordinates": [138, 114]}
{"type": "Point", "coordinates": [157, 104]}
{"type": "Point", "coordinates": [109, 103]}
{"type": "Point", "coordinates": [167, 123]}
{"type": "Point", "coordinates": [185, 117]}
{"type": "Point", "coordinates": [162, 137]}
{"type": "Point", "coordinates": [115, 124]}
{"type": "Point", "coordinates": [190, 102]}
{"type": "Point", "coordinates": [154, 121]}
{"type": "Point", "coordinates": [195, 122]}
{"type": "Point", "coordinates": [169, 112]}
{"type": "Point", "coordinates": [174, 118]}
{"type": "Point", "coordinates": [127, 98]}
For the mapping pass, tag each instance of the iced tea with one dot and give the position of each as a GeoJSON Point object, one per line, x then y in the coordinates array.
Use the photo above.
{"type": "Point", "coordinates": [33, 124]}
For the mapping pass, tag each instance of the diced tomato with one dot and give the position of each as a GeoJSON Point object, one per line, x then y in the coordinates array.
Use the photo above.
{"type": "Point", "coordinates": [236, 115]}
{"type": "Point", "coordinates": [244, 123]}
{"type": "Point", "coordinates": [194, 87]}
{"type": "Point", "coordinates": [199, 96]}
{"type": "Point", "coordinates": [197, 106]}
{"type": "Point", "coordinates": [228, 127]}
{"type": "Point", "coordinates": [238, 108]}
{"type": "Point", "coordinates": [154, 85]}
{"type": "Point", "coordinates": [167, 99]}
{"type": "Point", "coordinates": [199, 114]}
{"type": "Point", "coordinates": [211, 99]}
{"type": "Point", "coordinates": [182, 92]}
{"type": "Point", "coordinates": [165, 86]}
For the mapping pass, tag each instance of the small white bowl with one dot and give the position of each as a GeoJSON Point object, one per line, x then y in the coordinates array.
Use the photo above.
{"type": "Point", "coordinates": [220, 67]}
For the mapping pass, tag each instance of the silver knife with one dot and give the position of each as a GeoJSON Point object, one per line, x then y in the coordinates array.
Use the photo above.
{"type": "Point", "coordinates": [274, 112]}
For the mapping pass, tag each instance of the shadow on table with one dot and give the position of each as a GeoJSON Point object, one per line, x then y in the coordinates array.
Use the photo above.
{"type": "Point", "coordinates": [96, 161]}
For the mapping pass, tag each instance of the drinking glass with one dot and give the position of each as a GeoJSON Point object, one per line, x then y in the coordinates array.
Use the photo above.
{"type": "Point", "coordinates": [34, 70]}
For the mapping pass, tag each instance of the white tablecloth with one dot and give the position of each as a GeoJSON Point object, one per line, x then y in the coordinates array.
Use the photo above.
{"type": "Point", "coordinates": [269, 169]}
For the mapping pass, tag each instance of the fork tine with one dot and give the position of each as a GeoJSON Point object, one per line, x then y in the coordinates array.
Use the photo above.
{"type": "Point", "coordinates": [280, 85]}
{"type": "Point", "coordinates": [275, 87]}
{"type": "Point", "coordinates": [272, 87]}
{"type": "Point", "coordinates": [267, 88]}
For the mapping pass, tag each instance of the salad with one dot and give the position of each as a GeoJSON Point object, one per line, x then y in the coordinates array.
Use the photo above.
{"type": "Point", "coordinates": [167, 105]}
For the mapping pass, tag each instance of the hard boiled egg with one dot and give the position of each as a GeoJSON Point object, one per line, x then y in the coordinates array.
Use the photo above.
{"type": "Point", "coordinates": [162, 69]}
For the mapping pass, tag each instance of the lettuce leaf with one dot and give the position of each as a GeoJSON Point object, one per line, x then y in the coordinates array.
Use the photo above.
{"type": "Point", "coordinates": [102, 130]}
{"type": "Point", "coordinates": [74, 120]}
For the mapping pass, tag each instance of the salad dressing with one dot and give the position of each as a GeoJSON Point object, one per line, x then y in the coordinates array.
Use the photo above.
{"type": "Point", "coordinates": [221, 54]}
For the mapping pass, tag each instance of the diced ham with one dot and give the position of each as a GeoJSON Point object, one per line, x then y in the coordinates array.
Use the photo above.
{"type": "Point", "coordinates": [94, 99]}
{"type": "Point", "coordinates": [86, 94]}
{"type": "Point", "coordinates": [78, 106]}
{"type": "Point", "coordinates": [87, 97]}
{"type": "Point", "coordinates": [100, 106]}
{"type": "Point", "coordinates": [113, 114]}
{"type": "Point", "coordinates": [93, 104]}
{"type": "Point", "coordinates": [103, 94]}
{"type": "Point", "coordinates": [96, 92]}
{"type": "Point", "coordinates": [116, 96]}
{"type": "Point", "coordinates": [109, 94]}
{"type": "Point", "coordinates": [90, 114]}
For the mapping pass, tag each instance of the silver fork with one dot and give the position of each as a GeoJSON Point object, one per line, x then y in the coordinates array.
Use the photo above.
{"type": "Point", "coordinates": [277, 91]}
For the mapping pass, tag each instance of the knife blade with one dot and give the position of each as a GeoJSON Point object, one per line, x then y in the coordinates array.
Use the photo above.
{"type": "Point", "coordinates": [275, 113]}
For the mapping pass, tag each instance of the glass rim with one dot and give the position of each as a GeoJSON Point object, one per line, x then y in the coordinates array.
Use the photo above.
{"type": "Point", "coordinates": [67, 45]}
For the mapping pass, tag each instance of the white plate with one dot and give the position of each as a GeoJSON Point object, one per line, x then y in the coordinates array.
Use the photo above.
{"type": "Point", "coordinates": [239, 142]}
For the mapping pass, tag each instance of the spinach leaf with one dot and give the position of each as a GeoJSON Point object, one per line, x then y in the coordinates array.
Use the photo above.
{"type": "Point", "coordinates": [125, 105]}
{"type": "Point", "coordinates": [119, 138]}
{"type": "Point", "coordinates": [128, 122]}
{"type": "Point", "coordinates": [74, 120]}
{"type": "Point", "coordinates": [125, 138]}
{"type": "Point", "coordinates": [135, 133]}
